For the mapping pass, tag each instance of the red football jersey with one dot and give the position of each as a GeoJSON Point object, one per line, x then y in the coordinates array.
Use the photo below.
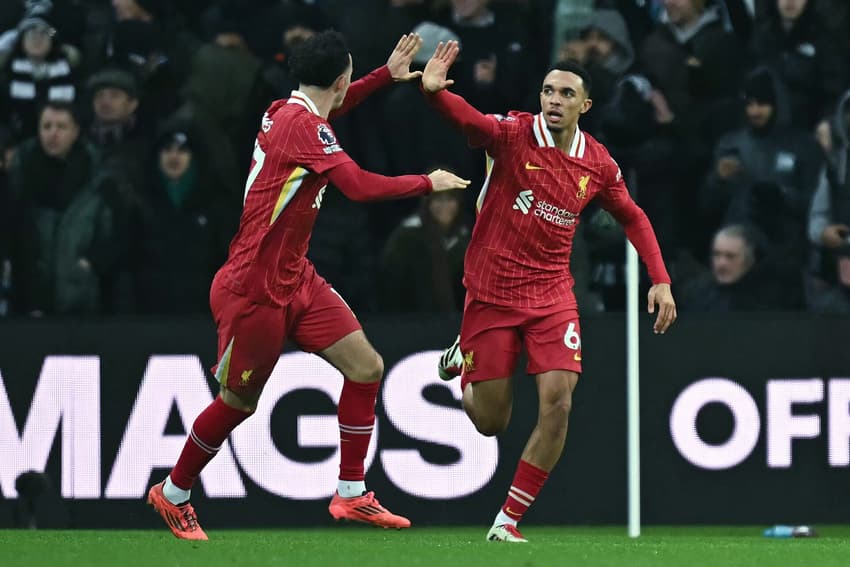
{"type": "Point", "coordinates": [283, 194]}
{"type": "Point", "coordinates": [528, 211]}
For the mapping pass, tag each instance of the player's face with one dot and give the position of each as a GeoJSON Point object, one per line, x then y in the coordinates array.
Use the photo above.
{"type": "Point", "coordinates": [563, 99]}
{"type": "Point", "coordinates": [342, 85]}
{"type": "Point", "coordinates": [730, 259]}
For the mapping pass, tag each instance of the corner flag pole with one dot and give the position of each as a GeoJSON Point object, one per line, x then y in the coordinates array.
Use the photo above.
{"type": "Point", "coordinates": [633, 380]}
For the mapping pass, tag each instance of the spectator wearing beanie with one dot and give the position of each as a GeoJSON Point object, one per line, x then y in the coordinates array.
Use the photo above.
{"type": "Point", "coordinates": [39, 69]}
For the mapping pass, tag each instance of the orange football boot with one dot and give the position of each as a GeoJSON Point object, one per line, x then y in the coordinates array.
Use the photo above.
{"type": "Point", "coordinates": [181, 519]}
{"type": "Point", "coordinates": [365, 509]}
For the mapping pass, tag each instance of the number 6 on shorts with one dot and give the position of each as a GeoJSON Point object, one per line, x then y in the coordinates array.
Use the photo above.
{"type": "Point", "coordinates": [571, 338]}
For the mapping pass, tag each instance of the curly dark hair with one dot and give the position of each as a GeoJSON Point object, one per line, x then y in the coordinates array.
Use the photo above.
{"type": "Point", "coordinates": [319, 60]}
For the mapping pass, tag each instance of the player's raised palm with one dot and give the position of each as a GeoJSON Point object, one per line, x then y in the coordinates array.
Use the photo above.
{"type": "Point", "coordinates": [402, 56]}
{"type": "Point", "coordinates": [434, 77]}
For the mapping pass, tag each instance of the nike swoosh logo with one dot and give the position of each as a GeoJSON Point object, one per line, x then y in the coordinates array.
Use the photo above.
{"type": "Point", "coordinates": [510, 512]}
{"type": "Point", "coordinates": [529, 166]}
{"type": "Point", "coordinates": [577, 357]}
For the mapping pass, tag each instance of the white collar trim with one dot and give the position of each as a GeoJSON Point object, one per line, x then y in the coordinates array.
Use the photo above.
{"type": "Point", "coordinates": [545, 140]}
{"type": "Point", "coordinates": [578, 145]}
{"type": "Point", "coordinates": [541, 132]}
{"type": "Point", "coordinates": [298, 97]}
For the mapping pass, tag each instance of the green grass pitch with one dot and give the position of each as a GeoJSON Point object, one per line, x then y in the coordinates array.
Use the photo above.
{"type": "Point", "coordinates": [355, 546]}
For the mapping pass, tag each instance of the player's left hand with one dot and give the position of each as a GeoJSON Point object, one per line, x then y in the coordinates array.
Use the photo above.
{"type": "Point", "coordinates": [660, 295]}
{"type": "Point", "coordinates": [402, 56]}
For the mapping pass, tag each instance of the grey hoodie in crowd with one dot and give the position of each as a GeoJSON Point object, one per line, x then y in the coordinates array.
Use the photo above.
{"type": "Point", "coordinates": [612, 24]}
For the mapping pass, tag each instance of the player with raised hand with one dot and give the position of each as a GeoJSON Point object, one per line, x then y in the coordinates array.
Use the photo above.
{"type": "Point", "coordinates": [542, 171]}
{"type": "Point", "coordinates": [268, 291]}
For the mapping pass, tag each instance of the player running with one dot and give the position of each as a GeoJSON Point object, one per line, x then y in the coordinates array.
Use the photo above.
{"type": "Point", "coordinates": [267, 291]}
{"type": "Point", "coordinates": [542, 170]}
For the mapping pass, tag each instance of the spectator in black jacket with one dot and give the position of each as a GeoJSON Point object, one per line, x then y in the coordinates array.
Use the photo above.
{"type": "Point", "coordinates": [184, 228]}
{"type": "Point", "coordinates": [740, 279]}
{"type": "Point", "coordinates": [806, 56]}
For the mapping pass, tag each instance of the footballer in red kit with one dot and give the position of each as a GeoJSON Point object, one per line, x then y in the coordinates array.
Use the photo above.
{"type": "Point", "coordinates": [542, 171]}
{"type": "Point", "coordinates": [268, 292]}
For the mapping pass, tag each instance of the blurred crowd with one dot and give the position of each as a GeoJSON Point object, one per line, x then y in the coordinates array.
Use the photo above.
{"type": "Point", "coordinates": [126, 131]}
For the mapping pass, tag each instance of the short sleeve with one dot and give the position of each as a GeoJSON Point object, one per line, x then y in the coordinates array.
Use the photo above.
{"type": "Point", "coordinates": [311, 143]}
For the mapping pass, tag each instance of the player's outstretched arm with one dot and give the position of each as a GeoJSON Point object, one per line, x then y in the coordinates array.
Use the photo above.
{"type": "Point", "coordinates": [480, 129]}
{"type": "Point", "coordinates": [638, 229]}
{"type": "Point", "coordinates": [360, 185]}
{"type": "Point", "coordinates": [397, 69]}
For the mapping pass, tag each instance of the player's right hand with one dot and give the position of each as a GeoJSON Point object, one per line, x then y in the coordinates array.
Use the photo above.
{"type": "Point", "coordinates": [442, 180]}
{"type": "Point", "coordinates": [434, 75]}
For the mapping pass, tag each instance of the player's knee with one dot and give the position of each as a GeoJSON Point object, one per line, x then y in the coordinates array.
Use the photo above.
{"type": "Point", "coordinates": [370, 371]}
{"type": "Point", "coordinates": [246, 402]}
{"type": "Point", "coordinates": [558, 408]}
{"type": "Point", "coordinates": [491, 425]}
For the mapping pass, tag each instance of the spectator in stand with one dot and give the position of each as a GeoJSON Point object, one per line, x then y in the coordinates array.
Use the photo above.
{"type": "Point", "coordinates": [116, 129]}
{"type": "Point", "coordinates": [809, 60]}
{"type": "Point", "coordinates": [829, 223]}
{"type": "Point", "coordinates": [695, 65]}
{"type": "Point", "coordinates": [740, 279]}
{"type": "Point", "coordinates": [422, 262]}
{"type": "Point", "coordinates": [493, 72]}
{"type": "Point", "coordinates": [184, 227]}
{"type": "Point", "coordinates": [603, 48]}
{"type": "Point", "coordinates": [227, 113]}
{"type": "Point", "coordinates": [765, 174]}
{"type": "Point", "coordinates": [38, 69]}
{"type": "Point", "coordinates": [64, 245]}
{"type": "Point", "coordinates": [694, 61]}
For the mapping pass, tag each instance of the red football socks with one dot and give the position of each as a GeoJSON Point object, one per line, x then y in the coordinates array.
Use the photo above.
{"type": "Point", "coordinates": [209, 431]}
{"type": "Point", "coordinates": [356, 420]}
{"type": "Point", "coordinates": [528, 481]}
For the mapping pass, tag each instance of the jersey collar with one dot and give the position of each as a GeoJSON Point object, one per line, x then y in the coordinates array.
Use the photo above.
{"type": "Point", "coordinates": [578, 144]}
{"type": "Point", "coordinates": [545, 140]}
{"type": "Point", "coordinates": [297, 97]}
{"type": "Point", "coordinates": [542, 133]}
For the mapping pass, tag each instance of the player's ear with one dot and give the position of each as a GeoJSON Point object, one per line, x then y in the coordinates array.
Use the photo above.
{"type": "Point", "coordinates": [585, 106]}
{"type": "Point", "coordinates": [339, 83]}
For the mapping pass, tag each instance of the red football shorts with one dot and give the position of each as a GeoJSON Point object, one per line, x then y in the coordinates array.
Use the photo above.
{"type": "Point", "coordinates": [251, 335]}
{"type": "Point", "coordinates": [492, 336]}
